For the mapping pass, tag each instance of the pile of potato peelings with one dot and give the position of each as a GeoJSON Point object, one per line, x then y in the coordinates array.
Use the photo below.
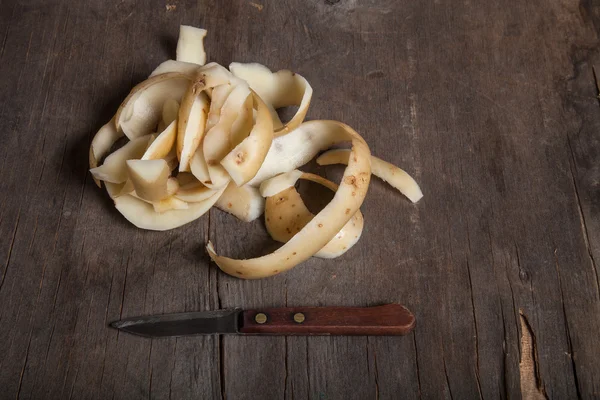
{"type": "Point", "coordinates": [203, 135]}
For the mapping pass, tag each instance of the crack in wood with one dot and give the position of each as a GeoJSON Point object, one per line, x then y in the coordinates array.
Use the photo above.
{"type": "Point", "coordinates": [285, 366]}
{"type": "Point", "coordinates": [222, 368]}
{"type": "Point", "coordinates": [512, 296]}
{"type": "Point", "coordinates": [10, 249]}
{"type": "Point", "coordinates": [505, 373]}
{"type": "Point", "coordinates": [151, 369]}
{"type": "Point", "coordinates": [125, 283]}
{"type": "Point", "coordinates": [70, 354]}
{"type": "Point", "coordinates": [417, 363]}
{"type": "Point", "coordinates": [584, 228]}
{"type": "Point", "coordinates": [73, 385]}
{"type": "Point", "coordinates": [173, 369]}
{"type": "Point", "coordinates": [476, 332]}
{"type": "Point", "coordinates": [597, 82]}
{"type": "Point", "coordinates": [24, 366]}
{"type": "Point", "coordinates": [447, 377]}
{"type": "Point", "coordinates": [308, 369]}
{"type": "Point", "coordinates": [7, 30]}
{"type": "Point", "coordinates": [376, 374]}
{"type": "Point", "coordinates": [531, 382]}
{"type": "Point", "coordinates": [567, 329]}
{"type": "Point", "coordinates": [32, 241]}
{"type": "Point", "coordinates": [504, 351]}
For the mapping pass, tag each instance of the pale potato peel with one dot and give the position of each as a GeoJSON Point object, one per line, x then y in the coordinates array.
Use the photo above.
{"type": "Point", "coordinates": [286, 214]}
{"type": "Point", "coordinates": [279, 89]}
{"type": "Point", "coordinates": [276, 184]}
{"type": "Point", "coordinates": [326, 224]}
{"type": "Point", "coordinates": [194, 192]}
{"type": "Point", "coordinates": [141, 110]}
{"type": "Point", "coordinates": [291, 151]}
{"type": "Point", "coordinates": [190, 46]}
{"type": "Point", "coordinates": [396, 177]}
{"type": "Point", "coordinates": [142, 214]}
{"type": "Point", "coordinates": [149, 178]}
{"type": "Point", "coordinates": [114, 168]}
{"type": "Point", "coordinates": [163, 144]}
{"type": "Point", "coordinates": [244, 202]}
{"type": "Point", "coordinates": [217, 142]}
{"type": "Point", "coordinates": [181, 67]}
{"type": "Point", "coordinates": [101, 144]}
{"type": "Point", "coordinates": [227, 134]}
{"type": "Point", "coordinates": [191, 125]}
{"type": "Point", "coordinates": [244, 161]}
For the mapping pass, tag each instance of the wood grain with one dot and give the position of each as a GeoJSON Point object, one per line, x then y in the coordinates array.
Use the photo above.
{"type": "Point", "coordinates": [491, 106]}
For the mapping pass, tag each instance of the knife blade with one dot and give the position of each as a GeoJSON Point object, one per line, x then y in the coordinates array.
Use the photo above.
{"type": "Point", "coordinates": [385, 320]}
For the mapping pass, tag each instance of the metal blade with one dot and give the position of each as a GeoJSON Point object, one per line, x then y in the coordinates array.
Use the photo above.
{"type": "Point", "coordinates": [182, 324]}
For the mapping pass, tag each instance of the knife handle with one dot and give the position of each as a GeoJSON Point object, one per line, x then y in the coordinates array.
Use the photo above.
{"type": "Point", "coordinates": [386, 320]}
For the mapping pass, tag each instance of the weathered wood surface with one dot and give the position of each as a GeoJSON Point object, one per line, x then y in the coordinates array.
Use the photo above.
{"type": "Point", "coordinates": [490, 105]}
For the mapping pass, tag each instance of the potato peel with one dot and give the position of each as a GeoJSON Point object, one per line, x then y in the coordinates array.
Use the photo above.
{"type": "Point", "coordinates": [244, 161]}
{"type": "Point", "coordinates": [149, 178]}
{"type": "Point", "coordinates": [162, 145]}
{"type": "Point", "coordinates": [396, 177]}
{"type": "Point", "coordinates": [286, 214]}
{"type": "Point", "coordinates": [244, 202]}
{"type": "Point", "coordinates": [291, 151]}
{"type": "Point", "coordinates": [203, 135]}
{"type": "Point", "coordinates": [142, 214]}
{"type": "Point", "coordinates": [101, 144]}
{"type": "Point", "coordinates": [191, 125]}
{"type": "Point", "coordinates": [217, 141]}
{"type": "Point", "coordinates": [280, 89]}
{"type": "Point", "coordinates": [142, 108]}
{"type": "Point", "coordinates": [326, 224]}
{"type": "Point", "coordinates": [185, 68]}
{"type": "Point", "coordinates": [271, 187]}
{"type": "Point", "coordinates": [194, 192]}
{"type": "Point", "coordinates": [190, 46]}
{"type": "Point", "coordinates": [114, 167]}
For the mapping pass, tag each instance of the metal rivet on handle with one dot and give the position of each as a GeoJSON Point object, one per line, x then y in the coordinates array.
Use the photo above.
{"type": "Point", "coordinates": [260, 318]}
{"type": "Point", "coordinates": [299, 317]}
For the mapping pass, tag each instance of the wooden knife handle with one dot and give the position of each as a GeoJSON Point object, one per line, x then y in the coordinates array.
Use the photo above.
{"type": "Point", "coordinates": [386, 320]}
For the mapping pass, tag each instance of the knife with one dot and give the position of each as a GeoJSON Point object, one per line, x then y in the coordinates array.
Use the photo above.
{"type": "Point", "coordinates": [385, 320]}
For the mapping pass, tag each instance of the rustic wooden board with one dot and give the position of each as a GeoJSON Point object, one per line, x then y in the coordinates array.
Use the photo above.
{"type": "Point", "coordinates": [490, 105]}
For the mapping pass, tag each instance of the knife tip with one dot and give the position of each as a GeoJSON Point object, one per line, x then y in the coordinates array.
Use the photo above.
{"type": "Point", "coordinates": [115, 324]}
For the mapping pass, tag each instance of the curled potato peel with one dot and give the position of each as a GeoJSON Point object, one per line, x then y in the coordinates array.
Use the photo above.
{"type": "Point", "coordinates": [201, 135]}
{"type": "Point", "coordinates": [113, 169]}
{"type": "Point", "coordinates": [142, 108]}
{"type": "Point", "coordinates": [217, 142]}
{"type": "Point", "coordinates": [143, 215]}
{"type": "Point", "coordinates": [324, 226]}
{"type": "Point", "coordinates": [291, 151]}
{"type": "Point", "coordinates": [191, 125]}
{"type": "Point", "coordinates": [244, 160]}
{"type": "Point", "coordinates": [286, 214]}
{"type": "Point", "coordinates": [280, 89]}
{"type": "Point", "coordinates": [163, 144]}
{"type": "Point", "coordinates": [149, 178]}
{"type": "Point", "coordinates": [101, 144]}
{"type": "Point", "coordinates": [244, 202]}
{"type": "Point", "coordinates": [396, 177]}
{"type": "Point", "coordinates": [271, 187]}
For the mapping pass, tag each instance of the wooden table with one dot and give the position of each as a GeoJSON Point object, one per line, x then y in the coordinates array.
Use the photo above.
{"type": "Point", "coordinates": [490, 105]}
